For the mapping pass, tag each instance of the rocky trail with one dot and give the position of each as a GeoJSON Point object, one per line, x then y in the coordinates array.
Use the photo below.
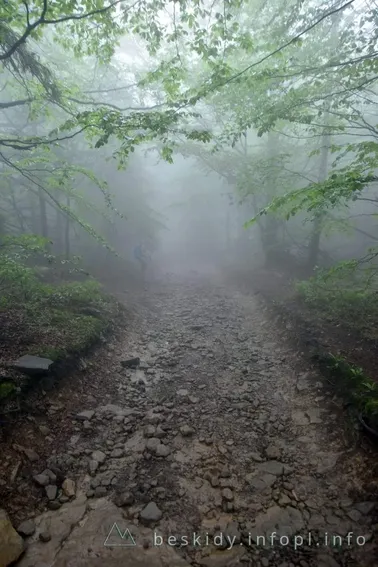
{"type": "Point", "coordinates": [221, 448]}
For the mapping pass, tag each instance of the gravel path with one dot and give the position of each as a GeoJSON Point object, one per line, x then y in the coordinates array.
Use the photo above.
{"type": "Point", "coordinates": [221, 440]}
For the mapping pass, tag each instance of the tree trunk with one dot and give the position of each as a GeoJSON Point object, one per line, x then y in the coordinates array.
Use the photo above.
{"type": "Point", "coordinates": [59, 229]}
{"type": "Point", "coordinates": [42, 214]}
{"type": "Point", "coordinates": [314, 244]}
{"type": "Point", "coordinates": [33, 213]}
{"type": "Point", "coordinates": [269, 237]}
{"type": "Point", "coordinates": [67, 250]}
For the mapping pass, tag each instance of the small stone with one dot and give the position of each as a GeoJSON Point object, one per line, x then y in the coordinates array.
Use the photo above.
{"type": "Point", "coordinates": [51, 491]}
{"type": "Point", "coordinates": [54, 504]}
{"type": "Point", "coordinates": [31, 455]}
{"type": "Point", "coordinates": [365, 507]}
{"type": "Point", "coordinates": [26, 528]}
{"type": "Point", "coordinates": [314, 415]}
{"type": "Point", "coordinates": [85, 415]}
{"type": "Point", "coordinates": [150, 514]}
{"type": "Point", "coordinates": [284, 500]}
{"type": "Point", "coordinates": [182, 393]}
{"type": "Point", "coordinates": [51, 475]}
{"type": "Point", "coordinates": [162, 450]}
{"type": "Point", "coordinates": [272, 467]}
{"type": "Point", "coordinates": [160, 433]}
{"type": "Point", "coordinates": [41, 479]}
{"type": "Point", "coordinates": [152, 444]}
{"type": "Point", "coordinates": [69, 488]}
{"type": "Point", "coordinates": [100, 492]}
{"type": "Point", "coordinates": [214, 481]}
{"type": "Point", "coordinates": [186, 431]}
{"type": "Point", "coordinates": [227, 494]}
{"type": "Point", "coordinates": [354, 515]}
{"type": "Point", "coordinates": [44, 430]}
{"type": "Point", "coordinates": [124, 499]}
{"type": "Point", "coordinates": [99, 456]}
{"type": "Point", "coordinates": [149, 431]}
{"type": "Point", "coordinates": [131, 362]}
{"type": "Point", "coordinates": [256, 457]}
{"type": "Point", "coordinates": [45, 537]}
{"type": "Point", "coordinates": [272, 452]}
{"type": "Point", "coordinates": [116, 453]}
{"type": "Point", "coordinates": [93, 466]}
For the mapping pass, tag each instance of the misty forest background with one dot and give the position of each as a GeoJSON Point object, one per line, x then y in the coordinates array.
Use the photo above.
{"type": "Point", "coordinates": [241, 131]}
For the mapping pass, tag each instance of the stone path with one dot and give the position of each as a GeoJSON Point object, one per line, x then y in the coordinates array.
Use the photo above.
{"type": "Point", "coordinates": [219, 439]}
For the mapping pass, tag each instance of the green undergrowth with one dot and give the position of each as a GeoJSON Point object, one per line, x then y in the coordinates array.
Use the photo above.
{"type": "Point", "coordinates": [53, 320]}
{"type": "Point", "coordinates": [350, 302]}
{"type": "Point", "coordinates": [7, 388]}
{"type": "Point", "coordinates": [354, 385]}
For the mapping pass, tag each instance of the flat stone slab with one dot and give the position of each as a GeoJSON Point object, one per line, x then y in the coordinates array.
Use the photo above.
{"type": "Point", "coordinates": [33, 365]}
{"type": "Point", "coordinates": [98, 537]}
{"type": "Point", "coordinates": [272, 467]}
{"type": "Point", "coordinates": [284, 521]}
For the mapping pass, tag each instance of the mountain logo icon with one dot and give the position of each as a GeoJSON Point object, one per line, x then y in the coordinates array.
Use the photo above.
{"type": "Point", "coordinates": [119, 538]}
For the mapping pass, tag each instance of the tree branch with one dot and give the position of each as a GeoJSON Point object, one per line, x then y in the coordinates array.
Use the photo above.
{"type": "Point", "coordinates": [43, 21]}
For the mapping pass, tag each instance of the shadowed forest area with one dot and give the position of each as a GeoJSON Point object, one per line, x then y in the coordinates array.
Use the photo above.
{"type": "Point", "coordinates": [233, 143]}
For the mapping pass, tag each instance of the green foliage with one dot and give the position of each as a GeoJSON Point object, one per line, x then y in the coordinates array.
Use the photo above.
{"type": "Point", "coordinates": [7, 388]}
{"type": "Point", "coordinates": [359, 388]}
{"type": "Point", "coordinates": [346, 293]}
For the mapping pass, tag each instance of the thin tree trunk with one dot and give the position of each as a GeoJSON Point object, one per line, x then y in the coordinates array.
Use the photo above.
{"type": "Point", "coordinates": [59, 229]}
{"type": "Point", "coordinates": [67, 250]}
{"type": "Point", "coordinates": [314, 244]}
{"type": "Point", "coordinates": [42, 214]}
{"type": "Point", "coordinates": [33, 213]}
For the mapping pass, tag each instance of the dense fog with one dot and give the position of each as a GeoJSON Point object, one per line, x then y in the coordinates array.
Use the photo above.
{"type": "Point", "coordinates": [193, 133]}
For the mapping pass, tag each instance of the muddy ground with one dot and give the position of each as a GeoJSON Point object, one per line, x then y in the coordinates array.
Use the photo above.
{"type": "Point", "coordinates": [224, 438]}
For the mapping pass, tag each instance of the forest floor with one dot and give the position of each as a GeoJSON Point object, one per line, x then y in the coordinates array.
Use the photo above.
{"type": "Point", "coordinates": [224, 435]}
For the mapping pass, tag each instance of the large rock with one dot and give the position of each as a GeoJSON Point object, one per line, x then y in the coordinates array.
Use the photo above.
{"type": "Point", "coordinates": [11, 543]}
{"type": "Point", "coordinates": [33, 365]}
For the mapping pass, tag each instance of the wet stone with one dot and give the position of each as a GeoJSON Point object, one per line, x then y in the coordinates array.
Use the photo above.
{"type": "Point", "coordinates": [26, 528]}
{"type": "Point", "coordinates": [124, 499]}
{"type": "Point", "coordinates": [150, 514]}
{"type": "Point", "coordinates": [85, 415]}
{"type": "Point", "coordinates": [51, 491]}
{"type": "Point", "coordinates": [45, 536]}
{"type": "Point", "coordinates": [41, 479]}
{"type": "Point", "coordinates": [186, 430]}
